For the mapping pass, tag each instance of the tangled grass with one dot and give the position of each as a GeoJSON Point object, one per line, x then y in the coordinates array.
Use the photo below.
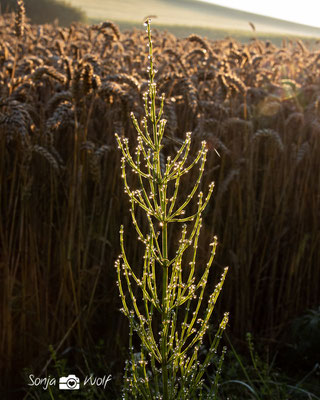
{"type": "Point", "coordinates": [63, 94]}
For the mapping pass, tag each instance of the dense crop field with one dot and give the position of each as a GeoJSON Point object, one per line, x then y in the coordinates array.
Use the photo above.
{"type": "Point", "coordinates": [65, 92]}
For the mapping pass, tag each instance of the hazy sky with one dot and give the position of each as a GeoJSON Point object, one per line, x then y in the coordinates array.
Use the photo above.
{"type": "Point", "coordinates": [304, 12]}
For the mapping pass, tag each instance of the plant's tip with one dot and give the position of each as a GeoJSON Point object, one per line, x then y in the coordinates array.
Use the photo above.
{"type": "Point", "coordinates": [214, 243]}
{"type": "Point", "coordinates": [204, 144]}
{"type": "Point", "coordinates": [147, 20]}
{"type": "Point", "coordinates": [224, 321]}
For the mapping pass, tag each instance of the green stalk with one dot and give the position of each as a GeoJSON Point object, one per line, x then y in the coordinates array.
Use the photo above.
{"type": "Point", "coordinates": [164, 334]}
{"type": "Point", "coordinates": [166, 346]}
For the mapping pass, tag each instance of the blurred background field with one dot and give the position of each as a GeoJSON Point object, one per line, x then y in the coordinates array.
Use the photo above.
{"type": "Point", "coordinates": [64, 92]}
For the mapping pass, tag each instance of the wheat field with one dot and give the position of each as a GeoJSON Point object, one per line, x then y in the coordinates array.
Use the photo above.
{"type": "Point", "coordinates": [64, 92]}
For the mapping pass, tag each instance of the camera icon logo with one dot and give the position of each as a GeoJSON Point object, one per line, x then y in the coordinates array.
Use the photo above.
{"type": "Point", "coordinates": [70, 382]}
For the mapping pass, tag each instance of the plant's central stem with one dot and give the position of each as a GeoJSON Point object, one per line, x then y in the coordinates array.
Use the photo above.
{"type": "Point", "coordinates": [165, 302]}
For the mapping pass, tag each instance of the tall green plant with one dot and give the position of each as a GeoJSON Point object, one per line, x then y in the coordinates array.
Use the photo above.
{"type": "Point", "coordinates": [169, 317]}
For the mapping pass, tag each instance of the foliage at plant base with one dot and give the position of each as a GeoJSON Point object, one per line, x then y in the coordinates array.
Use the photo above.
{"type": "Point", "coordinates": [303, 339]}
{"type": "Point", "coordinates": [46, 11]}
{"type": "Point", "coordinates": [251, 375]}
{"type": "Point", "coordinates": [254, 377]}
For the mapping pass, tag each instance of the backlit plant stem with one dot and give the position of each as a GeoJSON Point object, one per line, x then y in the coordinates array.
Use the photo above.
{"type": "Point", "coordinates": [167, 366]}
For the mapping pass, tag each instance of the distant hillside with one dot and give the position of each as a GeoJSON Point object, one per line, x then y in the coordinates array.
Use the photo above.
{"type": "Point", "coordinates": [46, 11]}
{"type": "Point", "coordinates": [192, 13]}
